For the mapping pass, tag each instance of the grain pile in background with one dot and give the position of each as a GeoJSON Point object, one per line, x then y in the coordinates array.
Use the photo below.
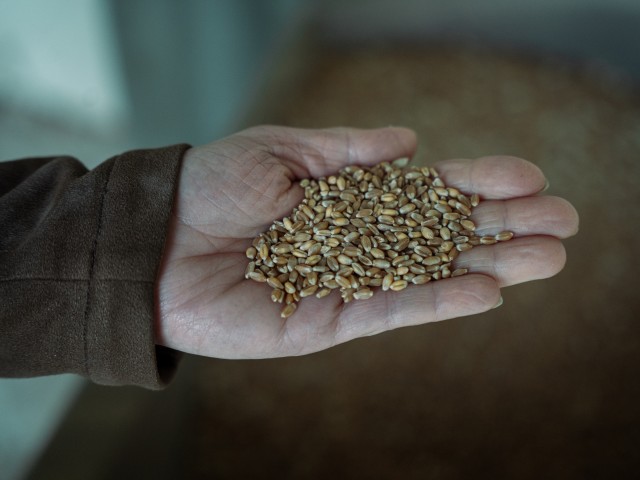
{"type": "Point", "coordinates": [388, 226]}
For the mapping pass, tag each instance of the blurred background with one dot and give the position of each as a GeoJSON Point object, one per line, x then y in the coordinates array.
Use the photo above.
{"type": "Point", "coordinates": [545, 386]}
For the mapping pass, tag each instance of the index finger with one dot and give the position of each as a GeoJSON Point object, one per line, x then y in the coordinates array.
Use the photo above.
{"type": "Point", "coordinates": [495, 177]}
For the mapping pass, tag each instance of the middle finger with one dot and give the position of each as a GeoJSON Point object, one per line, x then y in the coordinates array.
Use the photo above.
{"type": "Point", "coordinates": [538, 215]}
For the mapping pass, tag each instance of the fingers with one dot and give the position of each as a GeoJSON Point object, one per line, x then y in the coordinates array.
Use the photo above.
{"type": "Point", "coordinates": [535, 220]}
{"type": "Point", "coordinates": [441, 300]}
{"type": "Point", "coordinates": [517, 261]}
{"type": "Point", "coordinates": [496, 177]}
{"type": "Point", "coordinates": [492, 267]}
{"type": "Point", "coordinates": [322, 152]}
{"type": "Point", "coordinates": [538, 215]}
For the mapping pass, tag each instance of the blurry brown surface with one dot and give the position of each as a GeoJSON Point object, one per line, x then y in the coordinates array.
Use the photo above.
{"type": "Point", "coordinates": [544, 387]}
{"type": "Point", "coordinates": [547, 385]}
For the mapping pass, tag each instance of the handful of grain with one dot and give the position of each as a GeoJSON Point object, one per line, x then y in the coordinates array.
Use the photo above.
{"type": "Point", "coordinates": [386, 226]}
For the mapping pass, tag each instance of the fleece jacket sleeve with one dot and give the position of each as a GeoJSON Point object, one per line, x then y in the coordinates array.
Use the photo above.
{"type": "Point", "coordinates": [79, 254]}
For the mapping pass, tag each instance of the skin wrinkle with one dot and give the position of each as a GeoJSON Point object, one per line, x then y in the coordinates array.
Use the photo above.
{"type": "Point", "coordinates": [229, 206]}
{"type": "Point", "coordinates": [266, 163]}
{"type": "Point", "coordinates": [352, 157]}
{"type": "Point", "coordinates": [407, 149]}
{"type": "Point", "coordinates": [325, 330]}
{"type": "Point", "coordinates": [204, 279]}
{"type": "Point", "coordinates": [343, 324]}
{"type": "Point", "coordinates": [282, 334]}
{"type": "Point", "coordinates": [230, 345]}
{"type": "Point", "coordinates": [471, 185]}
{"type": "Point", "coordinates": [331, 329]}
{"type": "Point", "coordinates": [207, 239]}
{"type": "Point", "coordinates": [340, 320]}
{"type": "Point", "coordinates": [313, 156]}
{"type": "Point", "coordinates": [173, 309]}
{"type": "Point", "coordinates": [506, 215]}
{"type": "Point", "coordinates": [290, 155]}
{"type": "Point", "coordinates": [492, 264]}
{"type": "Point", "coordinates": [201, 331]}
{"type": "Point", "coordinates": [305, 346]}
{"type": "Point", "coordinates": [391, 318]}
{"type": "Point", "coordinates": [233, 263]}
{"type": "Point", "coordinates": [437, 304]}
{"type": "Point", "coordinates": [236, 209]}
{"type": "Point", "coordinates": [286, 338]}
{"type": "Point", "coordinates": [479, 299]}
{"type": "Point", "coordinates": [218, 203]}
{"type": "Point", "coordinates": [192, 325]}
{"type": "Point", "coordinates": [529, 253]}
{"type": "Point", "coordinates": [328, 329]}
{"type": "Point", "coordinates": [509, 218]}
{"type": "Point", "coordinates": [272, 145]}
{"type": "Point", "coordinates": [259, 158]}
{"type": "Point", "coordinates": [240, 142]}
{"type": "Point", "coordinates": [268, 160]}
{"type": "Point", "coordinates": [241, 176]}
{"type": "Point", "coordinates": [499, 219]}
{"type": "Point", "coordinates": [354, 328]}
{"type": "Point", "coordinates": [243, 181]}
{"type": "Point", "coordinates": [267, 135]}
{"type": "Point", "coordinates": [337, 324]}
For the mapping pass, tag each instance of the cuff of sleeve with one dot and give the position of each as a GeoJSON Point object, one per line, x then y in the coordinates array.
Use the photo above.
{"type": "Point", "coordinates": [136, 205]}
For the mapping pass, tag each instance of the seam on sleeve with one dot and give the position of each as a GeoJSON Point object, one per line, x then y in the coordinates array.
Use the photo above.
{"type": "Point", "coordinates": [90, 283]}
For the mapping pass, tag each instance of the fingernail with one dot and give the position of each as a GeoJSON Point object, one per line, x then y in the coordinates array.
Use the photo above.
{"type": "Point", "coordinates": [546, 186]}
{"type": "Point", "coordinates": [500, 302]}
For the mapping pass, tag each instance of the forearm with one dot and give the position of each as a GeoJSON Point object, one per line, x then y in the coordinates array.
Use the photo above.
{"type": "Point", "coordinates": [79, 253]}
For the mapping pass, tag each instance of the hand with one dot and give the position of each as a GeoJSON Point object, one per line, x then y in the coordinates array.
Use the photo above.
{"type": "Point", "coordinates": [233, 189]}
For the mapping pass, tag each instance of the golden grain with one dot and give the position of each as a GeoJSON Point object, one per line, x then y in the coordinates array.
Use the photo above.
{"type": "Point", "coordinates": [288, 310]}
{"type": "Point", "coordinates": [273, 282]}
{"type": "Point", "coordinates": [488, 240]}
{"type": "Point", "coordinates": [504, 236]}
{"type": "Point", "coordinates": [385, 226]}
{"type": "Point", "coordinates": [398, 285]}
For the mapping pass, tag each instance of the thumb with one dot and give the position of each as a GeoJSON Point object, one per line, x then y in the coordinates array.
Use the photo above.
{"type": "Point", "coordinates": [325, 151]}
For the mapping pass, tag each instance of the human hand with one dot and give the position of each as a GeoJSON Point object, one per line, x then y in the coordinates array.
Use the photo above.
{"type": "Point", "coordinates": [232, 190]}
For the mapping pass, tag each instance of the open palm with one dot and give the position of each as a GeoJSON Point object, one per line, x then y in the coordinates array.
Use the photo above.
{"type": "Point", "coordinates": [233, 189]}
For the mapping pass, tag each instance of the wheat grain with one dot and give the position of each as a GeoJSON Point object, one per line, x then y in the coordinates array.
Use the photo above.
{"type": "Point", "coordinates": [385, 226]}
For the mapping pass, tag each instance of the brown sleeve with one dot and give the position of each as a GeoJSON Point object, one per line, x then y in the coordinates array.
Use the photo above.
{"type": "Point", "coordinates": [79, 255]}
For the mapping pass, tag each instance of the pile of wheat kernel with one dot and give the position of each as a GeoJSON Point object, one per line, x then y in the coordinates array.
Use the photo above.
{"type": "Point", "coordinates": [386, 226]}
